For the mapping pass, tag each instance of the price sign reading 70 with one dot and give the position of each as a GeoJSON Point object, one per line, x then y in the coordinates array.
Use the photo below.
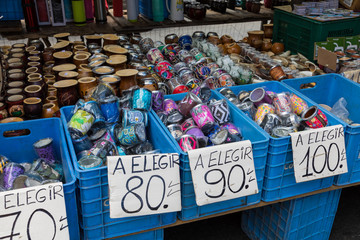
{"type": "Point", "coordinates": [34, 213]}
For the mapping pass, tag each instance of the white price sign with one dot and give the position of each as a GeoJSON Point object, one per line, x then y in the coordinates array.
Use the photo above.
{"type": "Point", "coordinates": [319, 153]}
{"type": "Point", "coordinates": [223, 172]}
{"type": "Point", "coordinates": [144, 184]}
{"type": "Point", "coordinates": [34, 213]}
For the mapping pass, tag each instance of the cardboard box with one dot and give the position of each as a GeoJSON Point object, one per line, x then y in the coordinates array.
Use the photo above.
{"type": "Point", "coordinates": [351, 4]}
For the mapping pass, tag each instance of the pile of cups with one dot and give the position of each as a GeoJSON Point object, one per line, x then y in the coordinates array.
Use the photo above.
{"type": "Point", "coordinates": [110, 126]}
{"type": "Point", "coordinates": [197, 120]}
{"type": "Point", "coordinates": [46, 169]}
{"type": "Point", "coordinates": [279, 114]}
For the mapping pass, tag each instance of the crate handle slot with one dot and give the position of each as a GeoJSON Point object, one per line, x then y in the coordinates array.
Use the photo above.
{"type": "Point", "coordinates": [16, 133]}
{"type": "Point", "coordinates": [308, 85]}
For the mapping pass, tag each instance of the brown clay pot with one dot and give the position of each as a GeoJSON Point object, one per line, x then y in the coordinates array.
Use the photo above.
{"type": "Point", "coordinates": [68, 75]}
{"type": "Point", "coordinates": [226, 39]}
{"type": "Point", "coordinates": [67, 92]}
{"type": "Point", "coordinates": [257, 44]}
{"type": "Point", "coordinates": [214, 40]}
{"type": "Point", "coordinates": [80, 48]}
{"type": "Point", "coordinates": [15, 105]}
{"type": "Point", "coordinates": [34, 91]}
{"type": "Point", "coordinates": [268, 30]}
{"type": "Point", "coordinates": [80, 59]}
{"type": "Point", "coordinates": [86, 85]}
{"type": "Point", "coordinates": [110, 39]}
{"type": "Point", "coordinates": [233, 48]}
{"type": "Point", "coordinates": [62, 36]}
{"type": "Point", "coordinates": [62, 57]}
{"type": "Point", "coordinates": [255, 35]}
{"type": "Point", "coordinates": [62, 46]}
{"type": "Point", "coordinates": [33, 107]}
{"type": "Point", "coordinates": [52, 92]}
{"type": "Point", "coordinates": [277, 48]}
{"type": "Point", "coordinates": [49, 77]}
{"type": "Point", "coordinates": [50, 110]}
{"type": "Point", "coordinates": [222, 49]}
{"type": "Point", "coordinates": [84, 72]}
{"type": "Point", "coordinates": [114, 49]}
{"type": "Point", "coordinates": [117, 63]}
{"type": "Point", "coordinates": [266, 46]}
{"type": "Point", "coordinates": [128, 78]}
{"type": "Point", "coordinates": [93, 39]}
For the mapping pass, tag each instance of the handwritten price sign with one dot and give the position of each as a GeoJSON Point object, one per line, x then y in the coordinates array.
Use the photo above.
{"type": "Point", "coordinates": [223, 172]}
{"type": "Point", "coordinates": [34, 213]}
{"type": "Point", "coordinates": [319, 153]}
{"type": "Point", "coordinates": [144, 184]}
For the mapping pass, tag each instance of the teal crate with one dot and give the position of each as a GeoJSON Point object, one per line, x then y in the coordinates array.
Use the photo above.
{"type": "Point", "coordinates": [260, 143]}
{"type": "Point", "coordinates": [93, 194]}
{"type": "Point", "coordinates": [307, 218]}
{"type": "Point", "coordinates": [20, 149]}
{"type": "Point", "coordinates": [300, 33]}
{"type": "Point", "coordinates": [328, 90]}
{"type": "Point", "coordinates": [279, 179]}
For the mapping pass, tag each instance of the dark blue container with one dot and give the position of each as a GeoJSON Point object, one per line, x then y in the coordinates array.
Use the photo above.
{"type": "Point", "coordinates": [303, 218]}
{"type": "Point", "coordinates": [279, 180]}
{"type": "Point", "coordinates": [20, 149]}
{"type": "Point", "coordinates": [328, 89]}
{"type": "Point", "coordinates": [93, 194]}
{"type": "Point", "coordinates": [260, 147]}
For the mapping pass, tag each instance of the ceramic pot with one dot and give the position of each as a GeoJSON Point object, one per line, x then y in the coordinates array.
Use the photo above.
{"type": "Point", "coordinates": [48, 67]}
{"type": "Point", "coordinates": [268, 30]}
{"type": "Point", "coordinates": [34, 91]}
{"type": "Point", "coordinates": [62, 36]}
{"type": "Point", "coordinates": [86, 85]}
{"type": "Point", "coordinates": [36, 81]}
{"type": "Point", "coordinates": [80, 48]}
{"type": "Point", "coordinates": [15, 105]}
{"type": "Point", "coordinates": [118, 63]}
{"type": "Point", "coordinates": [62, 57]}
{"type": "Point", "coordinates": [103, 70]}
{"type": "Point", "coordinates": [65, 75]}
{"type": "Point", "coordinates": [85, 72]}
{"type": "Point", "coordinates": [47, 54]}
{"type": "Point", "coordinates": [32, 70]}
{"type": "Point", "coordinates": [255, 7]}
{"type": "Point", "coordinates": [50, 110]}
{"type": "Point", "coordinates": [233, 48]}
{"type": "Point", "coordinates": [226, 39]}
{"type": "Point", "coordinates": [222, 49]}
{"type": "Point", "coordinates": [78, 43]}
{"type": "Point", "coordinates": [93, 39]}
{"type": "Point", "coordinates": [62, 46]}
{"type": "Point", "coordinates": [52, 91]}
{"type": "Point", "coordinates": [214, 40]}
{"type": "Point", "coordinates": [16, 77]}
{"type": "Point", "coordinates": [255, 35]}
{"type": "Point", "coordinates": [34, 75]}
{"type": "Point", "coordinates": [110, 39]}
{"type": "Point", "coordinates": [30, 49]}
{"type": "Point", "coordinates": [113, 81]}
{"type": "Point", "coordinates": [114, 49]}
{"type": "Point", "coordinates": [277, 48]}
{"type": "Point", "coordinates": [16, 65]}
{"type": "Point", "coordinates": [266, 46]}
{"type": "Point", "coordinates": [22, 56]}
{"type": "Point", "coordinates": [32, 107]}
{"type": "Point", "coordinates": [14, 91]}
{"type": "Point", "coordinates": [67, 92]}
{"type": "Point", "coordinates": [128, 78]}
{"type": "Point", "coordinates": [12, 119]}
{"type": "Point", "coordinates": [49, 77]}
{"type": "Point", "coordinates": [3, 111]}
{"type": "Point", "coordinates": [51, 99]}
{"type": "Point", "coordinates": [80, 59]}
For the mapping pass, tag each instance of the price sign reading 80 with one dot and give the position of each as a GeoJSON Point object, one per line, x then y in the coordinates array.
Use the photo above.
{"type": "Point", "coordinates": [34, 213]}
{"type": "Point", "coordinates": [223, 172]}
{"type": "Point", "coordinates": [144, 184]}
{"type": "Point", "coordinates": [319, 153]}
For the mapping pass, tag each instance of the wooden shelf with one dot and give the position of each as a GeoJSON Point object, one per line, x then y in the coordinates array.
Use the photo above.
{"type": "Point", "coordinates": [122, 25]}
{"type": "Point", "coordinates": [261, 204]}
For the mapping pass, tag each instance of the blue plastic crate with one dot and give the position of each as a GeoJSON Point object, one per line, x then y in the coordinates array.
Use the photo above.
{"type": "Point", "coordinates": [151, 235]}
{"type": "Point", "coordinates": [11, 10]}
{"type": "Point", "coordinates": [328, 90]}
{"type": "Point", "coordinates": [145, 7]}
{"type": "Point", "coordinates": [260, 146]}
{"type": "Point", "coordinates": [20, 149]}
{"type": "Point", "coordinates": [279, 180]}
{"type": "Point", "coordinates": [93, 195]}
{"type": "Point", "coordinates": [308, 218]}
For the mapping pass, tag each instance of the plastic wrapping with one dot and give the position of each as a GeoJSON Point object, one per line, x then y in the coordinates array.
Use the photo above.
{"type": "Point", "coordinates": [339, 109]}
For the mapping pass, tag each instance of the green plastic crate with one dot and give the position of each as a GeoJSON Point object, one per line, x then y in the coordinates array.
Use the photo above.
{"type": "Point", "coordinates": [300, 33]}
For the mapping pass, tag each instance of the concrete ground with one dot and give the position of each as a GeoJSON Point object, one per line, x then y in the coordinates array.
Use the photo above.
{"type": "Point", "coordinates": [346, 225]}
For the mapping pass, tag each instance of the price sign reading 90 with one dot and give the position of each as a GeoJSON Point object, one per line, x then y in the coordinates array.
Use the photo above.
{"type": "Point", "coordinates": [223, 172]}
{"type": "Point", "coordinates": [144, 184]}
{"type": "Point", "coordinates": [319, 153]}
{"type": "Point", "coordinates": [34, 213]}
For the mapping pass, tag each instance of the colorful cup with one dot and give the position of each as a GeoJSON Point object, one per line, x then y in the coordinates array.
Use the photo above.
{"type": "Point", "coordinates": [282, 103]}
{"type": "Point", "coordinates": [141, 99]}
{"type": "Point", "coordinates": [262, 110]}
{"type": "Point", "coordinates": [259, 96]}
{"type": "Point", "coordinates": [132, 135]}
{"type": "Point", "coordinates": [220, 111]}
{"type": "Point", "coordinates": [202, 116]}
{"type": "Point", "coordinates": [188, 142]}
{"type": "Point", "coordinates": [314, 117]}
{"type": "Point", "coordinates": [45, 150]}
{"type": "Point", "coordinates": [80, 123]}
{"type": "Point", "coordinates": [298, 105]}
{"type": "Point", "coordinates": [187, 103]}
